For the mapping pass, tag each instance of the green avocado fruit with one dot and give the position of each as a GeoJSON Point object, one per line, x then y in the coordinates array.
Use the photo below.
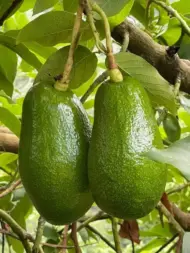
{"type": "Point", "coordinates": [172, 127]}
{"type": "Point", "coordinates": [53, 153]}
{"type": "Point", "coordinates": [123, 181]}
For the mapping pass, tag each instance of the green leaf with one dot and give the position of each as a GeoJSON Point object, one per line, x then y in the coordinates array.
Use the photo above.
{"type": "Point", "coordinates": [84, 66]}
{"type": "Point", "coordinates": [157, 87]}
{"type": "Point", "coordinates": [158, 231]}
{"type": "Point", "coordinates": [52, 28]}
{"type": "Point", "coordinates": [185, 245]}
{"type": "Point", "coordinates": [42, 5]}
{"type": "Point", "coordinates": [44, 52]}
{"type": "Point", "coordinates": [10, 120]}
{"type": "Point", "coordinates": [111, 7]}
{"type": "Point", "coordinates": [5, 84]}
{"type": "Point", "coordinates": [21, 50]}
{"type": "Point", "coordinates": [8, 63]}
{"type": "Point", "coordinates": [50, 232]}
{"type": "Point", "coordinates": [6, 202]}
{"type": "Point", "coordinates": [182, 6]}
{"type": "Point", "coordinates": [27, 5]}
{"type": "Point", "coordinates": [153, 244]}
{"type": "Point", "coordinates": [6, 5]}
{"type": "Point", "coordinates": [70, 5]}
{"type": "Point", "coordinates": [177, 155]}
{"type": "Point", "coordinates": [121, 16]}
{"type": "Point", "coordinates": [173, 33]}
{"type": "Point", "coordinates": [7, 158]}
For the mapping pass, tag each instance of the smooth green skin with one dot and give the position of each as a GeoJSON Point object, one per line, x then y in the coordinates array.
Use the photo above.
{"type": "Point", "coordinates": [172, 127]}
{"type": "Point", "coordinates": [53, 154]}
{"type": "Point", "coordinates": [123, 181]}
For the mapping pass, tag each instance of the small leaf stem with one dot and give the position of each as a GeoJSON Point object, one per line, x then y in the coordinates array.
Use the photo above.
{"type": "Point", "coordinates": [63, 83]}
{"type": "Point", "coordinates": [111, 60]}
{"type": "Point", "coordinates": [116, 235]}
{"type": "Point", "coordinates": [175, 14]}
{"type": "Point", "coordinates": [89, 15]}
{"type": "Point", "coordinates": [93, 86]}
{"type": "Point", "coordinates": [10, 188]}
{"type": "Point", "coordinates": [39, 234]}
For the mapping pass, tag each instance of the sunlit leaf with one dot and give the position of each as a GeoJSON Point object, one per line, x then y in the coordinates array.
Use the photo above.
{"type": "Point", "coordinates": [10, 121]}
{"type": "Point", "coordinates": [177, 154]}
{"type": "Point", "coordinates": [84, 66]}
{"type": "Point", "coordinates": [158, 88]}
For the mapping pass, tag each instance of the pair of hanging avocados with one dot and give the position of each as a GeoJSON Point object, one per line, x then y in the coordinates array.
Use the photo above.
{"type": "Point", "coordinates": [65, 165]}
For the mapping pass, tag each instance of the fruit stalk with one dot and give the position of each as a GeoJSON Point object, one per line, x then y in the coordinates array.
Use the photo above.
{"type": "Point", "coordinates": [88, 11]}
{"type": "Point", "coordinates": [115, 235]}
{"type": "Point", "coordinates": [114, 72]}
{"type": "Point", "coordinates": [63, 83]}
{"type": "Point", "coordinates": [39, 234]}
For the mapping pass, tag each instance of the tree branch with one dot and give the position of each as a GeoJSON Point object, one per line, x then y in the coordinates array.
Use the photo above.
{"type": "Point", "coordinates": [10, 188]}
{"type": "Point", "coordinates": [140, 43]}
{"type": "Point", "coordinates": [16, 229]}
{"type": "Point", "coordinates": [39, 234]}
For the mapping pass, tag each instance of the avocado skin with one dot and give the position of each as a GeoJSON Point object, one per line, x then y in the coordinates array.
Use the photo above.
{"type": "Point", "coordinates": [53, 153]}
{"type": "Point", "coordinates": [124, 183]}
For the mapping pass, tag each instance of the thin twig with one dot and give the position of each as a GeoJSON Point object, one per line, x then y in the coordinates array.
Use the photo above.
{"type": "Point", "coordinates": [90, 18]}
{"type": "Point", "coordinates": [170, 218]}
{"type": "Point", "coordinates": [93, 86]}
{"type": "Point", "coordinates": [74, 237]}
{"type": "Point", "coordinates": [62, 84]}
{"type": "Point", "coordinates": [39, 234]}
{"type": "Point", "coordinates": [167, 243]}
{"type": "Point", "coordinates": [10, 188]}
{"type": "Point", "coordinates": [64, 241]}
{"type": "Point", "coordinates": [175, 14]}
{"type": "Point", "coordinates": [101, 237]}
{"type": "Point", "coordinates": [178, 188]}
{"type": "Point", "coordinates": [91, 219]}
{"type": "Point", "coordinates": [30, 238]}
{"type": "Point", "coordinates": [17, 229]}
{"type": "Point", "coordinates": [116, 235]}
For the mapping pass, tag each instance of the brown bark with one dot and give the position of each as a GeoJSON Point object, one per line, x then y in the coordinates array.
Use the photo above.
{"type": "Point", "coordinates": [8, 141]}
{"type": "Point", "coordinates": [140, 43]}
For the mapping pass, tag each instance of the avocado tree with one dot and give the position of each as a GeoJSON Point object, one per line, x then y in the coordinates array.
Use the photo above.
{"type": "Point", "coordinates": [94, 97]}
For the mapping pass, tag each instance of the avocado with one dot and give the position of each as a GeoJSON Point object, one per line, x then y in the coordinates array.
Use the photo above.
{"type": "Point", "coordinates": [172, 127]}
{"type": "Point", "coordinates": [53, 153]}
{"type": "Point", "coordinates": [123, 181]}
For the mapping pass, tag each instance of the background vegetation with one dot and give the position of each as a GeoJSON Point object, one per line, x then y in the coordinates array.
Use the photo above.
{"type": "Point", "coordinates": [34, 39]}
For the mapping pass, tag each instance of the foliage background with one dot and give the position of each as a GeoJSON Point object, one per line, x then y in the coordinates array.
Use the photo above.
{"type": "Point", "coordinates": [19, 65]}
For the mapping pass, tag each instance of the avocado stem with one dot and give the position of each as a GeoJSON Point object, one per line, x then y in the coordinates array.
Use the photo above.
{"type": "Point", "coordinates": [63, 83]}
{"type": "Point", "coordinates": [115, 235]}
{"type": "Point", "coordinates": [115, 76]}
{"type": "Point", "coordinates": [39, 234]}
{"type": "Point", "coordinates": [99, 44]}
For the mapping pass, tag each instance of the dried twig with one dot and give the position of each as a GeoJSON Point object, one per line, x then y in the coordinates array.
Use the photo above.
{"type": "Point", "coordinates": [64, 241]}
{"type": "Point", "coordinates": [74, 237]}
